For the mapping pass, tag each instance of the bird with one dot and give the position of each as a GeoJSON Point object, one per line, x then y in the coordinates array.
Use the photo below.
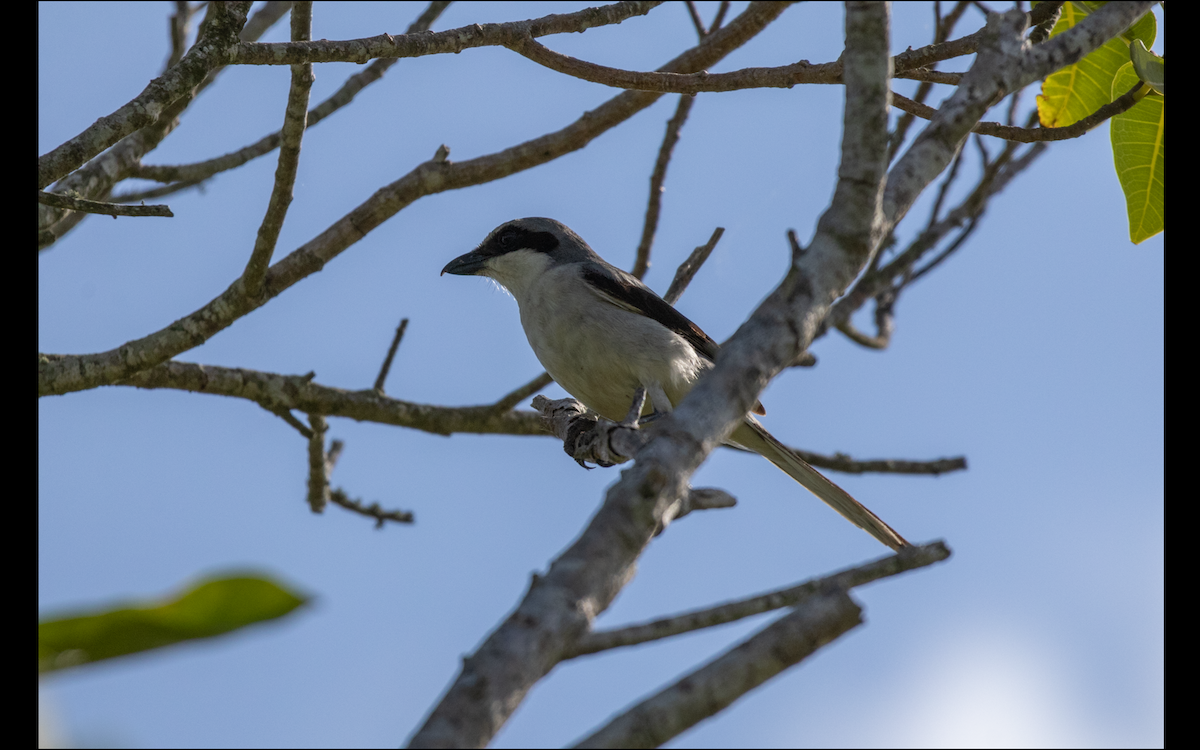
{"type": "Point", "coordinates": [602, 334]}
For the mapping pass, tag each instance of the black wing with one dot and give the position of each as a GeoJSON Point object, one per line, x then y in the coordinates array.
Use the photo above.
{"type": "Point", "coordinates": [626, 291]}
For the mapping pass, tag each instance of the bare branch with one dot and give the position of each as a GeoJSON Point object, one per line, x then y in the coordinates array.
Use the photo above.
{"type": "Point", "coordinates": [722, 9]}
{"type": "Point", "coordinates": [319, 467]}
{"type": "Point", "coordinates": [940, 257]}
{"type": "Point", "coordinates": [96, 207]}
{"type": "Point", "coordinates": [930, 76]}
{"type": "Point", "coordinates": [842, 462]}
{"type": "Point", "coordinates": [879, 280]}
{"type": "Point", "coordinates": [296, 424]}
{"type": "Point", "coordinates": [439, 43]}
{"type": "Point", "coordinates": [688, 269]}
{"type": "Point", "coordinates": [711, 688]}
{"type": "Point", "coordinates": [943, 28]}
{"type": "Point", "coordinates": [339, 497]}
{"type": "Point", "coordinates": [691, 8]}
{"type": "Point", "coordinates": [523, 392]}
{"type": "Point", "coordinates": [1030, 135]}
{"type": "Point", "coordinates": [179, 25]}
{"type": "Point", "coordinates": [657, 177]}
{"type": "Point", "coordinates": [294, 123]}
{"type": "Point", "coordinates": [908, 559]}
{"type": "Point", "coordinates": [785, 76]}
{"type": "Point", "coordinates": [391, 353]}
{"type": "Point", "coordinates": [134, 196]}
{"type": "Point", "coordinates": [1041, 30]}
{"type": "Point", "coordinates": [298, 392]}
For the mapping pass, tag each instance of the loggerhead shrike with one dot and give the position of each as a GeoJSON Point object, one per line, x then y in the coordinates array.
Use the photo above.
{"type": "Point", "coordinates": [602, 334]}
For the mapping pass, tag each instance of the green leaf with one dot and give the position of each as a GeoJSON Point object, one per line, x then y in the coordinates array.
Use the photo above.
{"type": "Point", "coordinates": [1149, 66]}
{"type": "Point", "coordinates": [1139, 156]}
{"type": "Point", "coordinates": [1078, 90]}
{"type": "Point", "coordinates": [210, 607]}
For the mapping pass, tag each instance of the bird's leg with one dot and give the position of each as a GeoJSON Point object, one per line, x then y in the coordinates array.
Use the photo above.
{"type": "Point", "coordinates": [635, 411]}
{"type": "Point", "coordinates": [660, 402]}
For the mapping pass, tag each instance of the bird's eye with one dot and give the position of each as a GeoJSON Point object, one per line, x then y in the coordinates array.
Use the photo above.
{"type": "Point", "coordinates": [507, 239]}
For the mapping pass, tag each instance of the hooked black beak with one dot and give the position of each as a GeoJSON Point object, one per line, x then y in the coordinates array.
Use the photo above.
{"type": "Point", "coordinates": [465, 265]}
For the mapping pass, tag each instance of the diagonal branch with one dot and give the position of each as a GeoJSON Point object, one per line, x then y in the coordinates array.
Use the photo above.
{"type": "Point", "coordinates": [519, 394]}
{"type": "Point", "coordinates": [657, 177]}
{"type": "Point", "coordinates": [391, 354]}
{"type": "Point", "coordinates": [691, 266]}
{"type": "Point", "coordinates": [294, 122]}
{"type": "Point", "coordinates": [910, 558]}
{"type": "Point", "coordinates": [713, 687]}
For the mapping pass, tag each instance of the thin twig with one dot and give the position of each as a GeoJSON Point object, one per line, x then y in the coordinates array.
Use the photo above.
{"type": "Point", "coordinates": [943, 27]}
{"type": "Point", "coordinates": [220, 30]}
{"type": "Point", "coordinates": [288, 417]}
{"type": "Point", "coordinates": [931, 76]}
{"type": "Point", "coordinates": [95, 179]}
{"type": "Point", "coordinates": [721, 11]}
{"type": "Point", "coordinates": [391, 353]}
{"type": "Point", "coordinates": [909, 559]}
{"type": "Point", "coordinates": [55, 200]}
{"type": "Point", "coordinates": [657, 177]}
{"type": "Point", "coordinates": [294, 123]}
{"type": "Point", "coordinates": [1031, 135]}
{"type": "Point", "coordinates": [179, 26]}
{"type": "Point", "coordinates": [937, 259]}
{"type": "Point", "coordinates": [700, 30]}
{"type": "Point", "coordinates": [340, 498]}
{"type": "Point", "coordinates": [951, 175]}
{"type": "Point", "coordinates": [688, 268]}
{"type": "Point", "coordinates": [133, 196]}
{"type": "Point", "coordinates": [318, 473]}
{"type": "Point", "coordinates": [794, 244]}
{"type": "Point", "coordinates": [842, 462]}
{"type": "Point", "coordinates": [879, 279]}
{"type": "Point", "coordinates": [320, 469]}
{"type": "Point", "coordinates": [521, 393]}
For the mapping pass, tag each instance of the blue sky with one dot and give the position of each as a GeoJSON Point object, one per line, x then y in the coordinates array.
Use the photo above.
{"type": "Point", "coordinates": [1037, 352]}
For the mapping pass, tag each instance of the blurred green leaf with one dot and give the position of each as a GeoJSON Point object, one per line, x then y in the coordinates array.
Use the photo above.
{"type": "Point", "coordinates": [211, 607]}
{"type": "Point", "coordinates": [1139, 156]}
